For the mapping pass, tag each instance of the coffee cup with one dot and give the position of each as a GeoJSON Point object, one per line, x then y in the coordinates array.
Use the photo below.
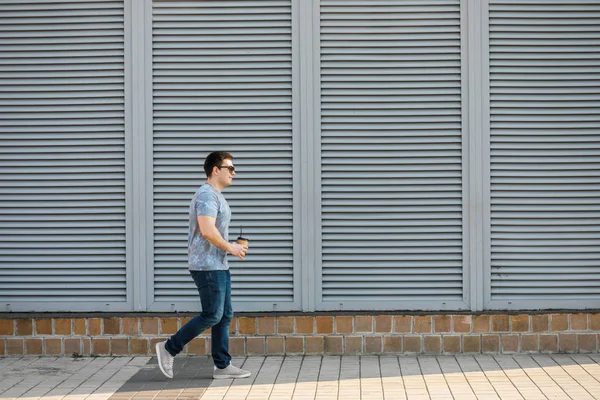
{"type": "Point", "coordinates": [242, 240]}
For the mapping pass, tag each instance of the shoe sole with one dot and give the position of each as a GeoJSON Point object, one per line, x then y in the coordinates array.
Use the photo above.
{"type": "Point", "coordinates": [231, 376]}
{"type": "Point", "coordinates": [159, 361]}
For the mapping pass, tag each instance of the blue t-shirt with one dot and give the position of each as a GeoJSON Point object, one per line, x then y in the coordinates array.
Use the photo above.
{"type": "Point", "coordinates": [203, 256]}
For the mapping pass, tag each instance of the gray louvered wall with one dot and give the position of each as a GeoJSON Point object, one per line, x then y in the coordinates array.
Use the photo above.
{"type": "Point", "coordinates": [222, 75]}
{"type": "Point", "coordinates": [545, 151]}
{"type": "Point", "coordinates": [62, 155]}
{"type": "Point", "coordinates": [391, 152]}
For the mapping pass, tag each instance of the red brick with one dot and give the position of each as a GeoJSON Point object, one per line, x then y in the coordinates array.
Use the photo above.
{"type": "Point", "coordinates": [14, 346]}
{"type": "Point", "coordinates": [72, 346]}
{"type": "Point", "coordinates": [383, 324]}
{"type": "Point", "coordinates": [24, 327]}
{"type": "Point", "coordinates": [233, 330]}
{"type": "Point", "coordinates": [490, 343]}
{"type": "Point", "coordinates": [354, 344]}
{"type": "Point", "coordinates": [432, 344]}
{"type": "Point", "coordinates": [53, 347]}
{"type": "Point", "coordinates": [392, 344]}
{"type": "Point", "coordinates": [481, 323]}
{"type": "Point", "coordinates": [539, 323]}
{"type": "Point", "coordinates": [197, 346]}
{"type": "Point", "coordinates": [325, 325]}
{"type": "Point", "coordinates": [118, 347]}
{"type": "Point", "coordinates": [549, 343]}
{"type": "Point", "coordinates": [471, 344]}
{"type": "Point", "coordinates": [168, 326]}
{"type": "Point", "coordinates": [94, 326]}
{"type": "Point", "coordinates": [403, 324]}
{"type": "Point", "coordinates": [63, 326]}
{"type": "Point", "coordinates": [559, 322]}
{"type": "Point", "coordinates": [86, 345]}
{"type": "Point", "coordinates": [237, 346]}
{"type": "Point", "coordinates": [305, 325]}
{"type": "Point", "coordinates": [266, 325]}
{"type": "Point", "coordinates": [442, 323]}
{"type": "Point", "coordinates": [100, 346]}
{"type": "Point", "coordinates": [285, 324]}
{"type": "Point", "coordinates": [451, 344]}
{"type": "Point", "coordinates": [363, 324]}
{"type": "Point", "coordinates": [255, 345]}
{"type": "Point", "coordinates": [112, 326]}
{"type": "Point", "coordinates": [275, 345]}
{"type": "Point", "coordinates": [412, 344]}
{"type": "Point", "coordinates": [422, 324]}
{"type": "Point", "coordinates": [461, 323]}
{"type": "Point", "coordinates": [131, 326]}
{"type": "Point", "coordinates": [33, 347]}
{"type": "Point", "coordinates": [344, 324]}
{"type": "Point", "coordinates": [7, 327]}
{"type": "Point", "coordinates": [79, 326]}
{"type": "Point", "coordinates": [247, 325]}
{"type": "Point", "coordinates": [373, 344]}
{"type": "Point", "coordinates": [588, 342]}
{"type": "Point", "coordinates": [500, 323]}
{"type": "Point", "coordinates": [149, 326]}
{"type": "Point", "coordinates": [334, 344]}
{"type": "Point", "coordinates": [139, 346]}
{"type": "Point", "coordinates": [315, 344]}
{"type": "Point", "coordinates": [510, 343]}
{"type": "Point", "coordinates": [595, 322]}
{"type": "Point", "coordinates": [520, 323]}
{"type": "Point", "coordinates": [43, 326]}
{"type": "Point", "coordinates": [530, 343]}
{"type": "Point", "coordinates": [294, 344]}
{"type": "Point", "coordinates": [579, 322]}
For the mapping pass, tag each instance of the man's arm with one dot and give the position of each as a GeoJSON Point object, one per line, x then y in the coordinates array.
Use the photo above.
{"type": "Point", "coordinates": [210, 232]}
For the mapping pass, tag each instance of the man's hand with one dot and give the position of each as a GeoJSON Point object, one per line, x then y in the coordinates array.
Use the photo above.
{"type": "Point", "coordinates": [238, 250]}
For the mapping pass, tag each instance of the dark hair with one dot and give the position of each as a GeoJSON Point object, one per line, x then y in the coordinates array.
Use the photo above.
{"type": "Point", "coordinates": [215, 159]}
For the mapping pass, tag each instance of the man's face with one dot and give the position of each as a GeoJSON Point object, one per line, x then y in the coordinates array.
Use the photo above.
{"type": "Point", "coordinates": [224, 175]}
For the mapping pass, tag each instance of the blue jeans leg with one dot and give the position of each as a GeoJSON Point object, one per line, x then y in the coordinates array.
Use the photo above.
{"type": "Point", "coordinates": [220, 332]}
{"type": "Point", "coordinates": [213, 287]}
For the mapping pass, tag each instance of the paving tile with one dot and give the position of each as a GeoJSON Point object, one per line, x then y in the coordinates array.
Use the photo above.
{"type": "Point", "coordinates": [541, 379]}
{"type": "Point", "coordinates": [435, 381]}
{"type": "Point", "coordinates": [464, 377]}
{"type": "Point", "coordinates": [456, 380]}
{"type": "Point", "coordinates": [570, 386]}
{"type": "Point", "coordinates": [391, 378]}
{"type": "Point", "coordinates": [327, 385]}
{"type": "Point", "coordinates": [479, 383]}
{"type": "Point", "coordinates": [371, 386]}
{"type": "Point", "coordinates": [349, 386]}
{"type": "Point", "coordinates": [413, 379]}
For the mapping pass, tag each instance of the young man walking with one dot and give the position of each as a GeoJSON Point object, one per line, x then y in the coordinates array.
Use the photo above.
{"type": "Point", "coordinates": [207, 257]}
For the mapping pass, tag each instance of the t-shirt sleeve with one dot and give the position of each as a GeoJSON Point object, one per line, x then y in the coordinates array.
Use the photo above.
{"type": "Point", "coordinates": [207, 204]}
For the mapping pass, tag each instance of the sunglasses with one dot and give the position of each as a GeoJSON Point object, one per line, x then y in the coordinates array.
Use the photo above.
{"type": "Point", "coordinates": [231, 168]}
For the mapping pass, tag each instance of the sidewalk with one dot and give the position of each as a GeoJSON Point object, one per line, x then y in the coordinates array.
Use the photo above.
{"type": "Point", "coordinates": [560, 376]}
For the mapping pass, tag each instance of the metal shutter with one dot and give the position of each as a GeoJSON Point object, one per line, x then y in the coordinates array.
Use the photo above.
{"type": "Point", "coordinates": [62, 156]}
{"type": "Point", "coordinates": [545, 153]}
{"type": "Point", "coordinates": [223, 81]}
{"type": "Point", "coordinates": [391, 154]}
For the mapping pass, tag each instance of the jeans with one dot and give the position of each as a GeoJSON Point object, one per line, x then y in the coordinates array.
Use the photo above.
{"type": "Point", "coordinates": [215, 295]}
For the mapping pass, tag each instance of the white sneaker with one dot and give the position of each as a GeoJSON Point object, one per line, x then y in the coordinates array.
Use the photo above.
{"type": "Point", "coordinates": [230, 372]}
{"type": "Point", "coordinates": [165, 359]}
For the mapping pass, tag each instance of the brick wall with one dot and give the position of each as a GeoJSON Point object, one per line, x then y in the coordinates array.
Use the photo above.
{"type": "Point", "coordinates": [309, 334]}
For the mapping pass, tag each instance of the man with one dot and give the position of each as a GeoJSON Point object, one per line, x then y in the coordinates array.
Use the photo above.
{"type": "Point", "coordinates": [207, 257]}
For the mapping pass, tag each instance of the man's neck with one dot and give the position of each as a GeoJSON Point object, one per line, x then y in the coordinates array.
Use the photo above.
{"type": "Point", "coordinates": [215, 185]}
